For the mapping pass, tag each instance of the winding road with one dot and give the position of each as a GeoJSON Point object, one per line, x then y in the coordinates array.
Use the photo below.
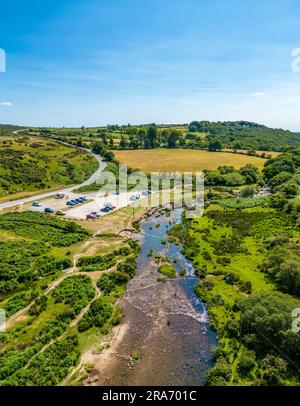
{"type": "Point", "coordinates": [65, 191]}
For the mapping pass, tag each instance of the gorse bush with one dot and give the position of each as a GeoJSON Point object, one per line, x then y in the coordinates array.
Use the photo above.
{"type": "Point", "coordinates": [58, 232]}
{"type": "Point", "coordinates": [98, 314]}
{"type": "Point", "coordinates": [76, 291]}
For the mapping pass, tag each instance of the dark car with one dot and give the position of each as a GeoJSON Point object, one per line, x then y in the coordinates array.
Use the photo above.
{"type": "Point", "coordinates": [105, 209]}
{"type": "Point", "coordinates": [48, 210]}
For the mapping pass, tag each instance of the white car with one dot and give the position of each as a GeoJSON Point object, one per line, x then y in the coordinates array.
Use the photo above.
{"type": "Point", "coordinates": [36, 204]}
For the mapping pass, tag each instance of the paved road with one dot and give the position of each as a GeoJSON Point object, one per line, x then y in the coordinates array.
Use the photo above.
{"type": "Point", "coordinates": [67, 190]}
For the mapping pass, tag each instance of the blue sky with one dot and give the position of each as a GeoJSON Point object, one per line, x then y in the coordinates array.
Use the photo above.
{"type": "Point", "coordinates": [95, 62]}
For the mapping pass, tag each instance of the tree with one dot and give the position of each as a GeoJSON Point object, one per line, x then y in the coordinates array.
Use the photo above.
{"type": "Point", "coordinates": [98, 148]}
{"type": "Point", "coordinates": [151, 136]}
{"type": "Point", "coordinates": [246, 362]}
{"type": "Point", "coordinates": [265, 318]}
{"type": "Point", "coordinates": [111, 142]}
{"type": "Point", "coordinates": [277, 201]}
{"type": "Point", "coordinates": [288, 189]}
{"type": "Point", "coordinates": [173, 138]}
{"type": "Point", "coordinates": [219, 374]}
{"type": "Point", "coordinates": [280, 179]}
{"type": "Point", "coordinates": [123, 143]}
{"type": "Point", "coordinates": [288, 277]}
{"type": "Point", "coordinates": [79, 143]}
{"type": "Point", "coordinates": [274, 369]}
{"type": "Point", "coordinates": [250, 173]}
{"type": "Point", "coordinates": [283, 163]}
{"type": "Point", "coordinates": [109, 155]}
{"type": "Point", "coordinates": [141, 133]}
{"type": "Point", "coordinates": [215, 145]}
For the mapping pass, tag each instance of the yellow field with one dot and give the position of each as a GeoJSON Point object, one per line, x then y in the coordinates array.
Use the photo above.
{"type": "Point", "coordinates": [183, 160]}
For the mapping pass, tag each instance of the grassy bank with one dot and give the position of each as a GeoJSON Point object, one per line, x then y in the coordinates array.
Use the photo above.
{"type": "Point", "coordinates": [236, 252]}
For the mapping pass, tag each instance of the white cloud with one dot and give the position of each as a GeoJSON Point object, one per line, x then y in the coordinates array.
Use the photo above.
{"type": "Point", "coordinates": [258, 94]}
{"type": "Point", "coordinates": [6, 104]}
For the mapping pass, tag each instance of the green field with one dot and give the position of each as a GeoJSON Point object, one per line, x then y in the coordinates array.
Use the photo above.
{"type": "Point", "coordinates": [32, 164]}
{"type": "Point", "coordinates": [183, 160]}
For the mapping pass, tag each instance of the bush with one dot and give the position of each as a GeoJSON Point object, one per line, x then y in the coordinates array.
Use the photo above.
{"type": "Point", "coordinates": [274, 370]}
{"type": "Point", "coordinates": [246, 362]}
{"type": "Point", "coordinates": [247, 191]}
{"type": "Point", "coordinates": [288, 189]}
{"type": "Point", "coordinates": [219, 374]}
{"type": "Point", "coordinates": [98, 314]}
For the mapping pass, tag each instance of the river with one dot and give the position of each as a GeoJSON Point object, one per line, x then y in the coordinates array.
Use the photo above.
{"type": "Point", "coordinates": [166, 323]}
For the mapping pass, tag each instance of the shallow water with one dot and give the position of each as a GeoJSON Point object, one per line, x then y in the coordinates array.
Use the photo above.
{"type": "Point", "coordinates": [167, 323]}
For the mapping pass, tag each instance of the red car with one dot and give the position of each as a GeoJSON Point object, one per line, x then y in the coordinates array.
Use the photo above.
{"type": "Point", "coordinates": [91, 216]}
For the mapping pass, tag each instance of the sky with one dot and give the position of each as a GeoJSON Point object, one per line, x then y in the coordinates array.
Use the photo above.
{"type": "Point", "coordinates": [98, 62]}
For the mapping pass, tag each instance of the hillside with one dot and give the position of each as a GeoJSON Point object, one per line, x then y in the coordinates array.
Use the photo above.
{"type": "Point", "coordinates": [245, 135]}
{"type": "Point", "coordinates": [239, 135]}
{"type": "Point", "coordinates": [30, 164]}
{"type": "Point", "coordinates": [6, 129]}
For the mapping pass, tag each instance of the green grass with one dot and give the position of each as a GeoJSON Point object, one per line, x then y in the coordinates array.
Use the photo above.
{"type": "Point", "coordinates": [244, 203]}
{"type": "Point", "coordinates": [253, 227]}
{"type": "Point", "coordinates": [31, 164]}
{"type": "Point", "coordinates": [167, 270]}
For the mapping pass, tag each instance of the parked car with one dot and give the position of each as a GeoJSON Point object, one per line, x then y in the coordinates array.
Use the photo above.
{"type": "Point", "coordinates": [91, 216]}
{"type": "Point", "coordinates": [110, 206]}
{"type": "Point", "coordinates": [146, 193]}
{"type": "Point", "coordinates": [60, 213]}
{"type": "Point", "coordinates": [36, 204]}
{"type": "Point", "coordinates": [73, 201]}
{"type": "Point", "coordinates": [78, 201]}
{"type": "Point", "coordinates": [81, 199]}
{"type": "Point", "coordinates": [70, 203]}
{"type": "Point", "coordinates": [105, 209]}
{"type": "Point", "coordinates": [48, 210]}
{"type": "Point", "coordinates": [96, 213]}
{"type": "Point", "coordinates": [59, 196]}
{"type": "Point", "coordinates": [133, 198]}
